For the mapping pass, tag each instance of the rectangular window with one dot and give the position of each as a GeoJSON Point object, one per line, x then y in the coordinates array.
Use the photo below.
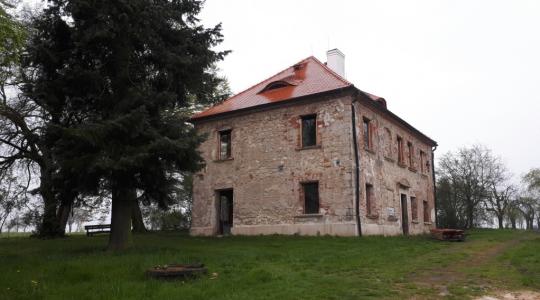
{"type": "Point", "coordinates": [422, 162]}
{"type": "Point", "coordinates": [225, 144]}
{"type": "Point", "coordinates": [400, 150]}
{"type": "Point", "coordinates": [411, 154]}
{"type": "Point", "coordinates": [367, 133]}
{"type": "Point", "coordinates": [414, 208]}
{"type": "Point", "coordinates": [387, 143]}
{"type": "Point", "coordinates": [309, 131]}
{"type": "Point", "coordinates": [311, 197]}
{"type": "Point", "coordinates": [369, 199]}
{"type": "Point", "coordinates": [426, 212]}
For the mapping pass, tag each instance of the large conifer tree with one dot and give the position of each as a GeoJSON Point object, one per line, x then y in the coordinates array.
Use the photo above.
{"type": "Point", "coordinates": [117, 78]}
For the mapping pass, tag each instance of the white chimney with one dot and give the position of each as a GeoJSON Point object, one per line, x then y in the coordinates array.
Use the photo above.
{"type": "Point", "coordinates": [335, 60]}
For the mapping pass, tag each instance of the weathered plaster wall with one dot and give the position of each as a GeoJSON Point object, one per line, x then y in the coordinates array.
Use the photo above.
{"type": "Point", "coordinates": [268, 167]}
{"type": "Point", "coordinates": [380, 168]}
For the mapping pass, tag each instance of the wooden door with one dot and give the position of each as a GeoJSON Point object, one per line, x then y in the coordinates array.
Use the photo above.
{"type": "Point", "coordinates": [404, 215]}
{"type": "Point", "coordinates": [225, 212]}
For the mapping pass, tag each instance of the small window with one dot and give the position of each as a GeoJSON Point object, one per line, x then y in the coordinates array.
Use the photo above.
{"type": "Point", "coordinates": [426, 212]}
{"type": "Point", "coordinates": [422, 161]}
{"type": "Point", "coordinates": [309, 131]}
{"type": "Point", "coordinates": [225, 144]}
{"type": "Point", "coordinates": [367, 134]}
{"type": "Point", "coordinates": [275, 85]}
{"type": "Point", "coordinates": [414, 208]}
{"type": "Point", "coordinates": [411, 154]}
{"type": "Point", "coordinates": [370, 199]}
{"type": "Point", "coordinates": [387, 143]}
{"type": "Point", "coordinates": [401, 157]}
{"type": "Point", "coordinates": [311, 197]}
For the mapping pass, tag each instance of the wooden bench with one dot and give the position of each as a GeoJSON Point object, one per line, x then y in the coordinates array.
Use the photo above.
{"type": "Point", "coordinates": [97, 229]}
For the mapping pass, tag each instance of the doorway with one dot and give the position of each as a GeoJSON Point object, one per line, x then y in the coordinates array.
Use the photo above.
{"type": "Point", "coordinates": [225, 207]}
{"type": "Point", "coordinates": [404, 215]}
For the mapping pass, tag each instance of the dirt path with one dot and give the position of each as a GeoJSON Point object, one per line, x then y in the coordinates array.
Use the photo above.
{"type": "Point", "coordinates": [442, 278]}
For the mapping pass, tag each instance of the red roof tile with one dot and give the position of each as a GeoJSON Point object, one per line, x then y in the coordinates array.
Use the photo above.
{"type": "Point", "coordinates": [307, 77]}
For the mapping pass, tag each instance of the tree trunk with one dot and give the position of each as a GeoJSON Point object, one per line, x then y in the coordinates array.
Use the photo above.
{"type": "Point", "coordinates": [136, 217]}
{"type": "Point", "coordinates": [122, 201]}
{"type": "Point", "coordinates": [49, 227]}
{"type": "Point", "coordinates": [470, 217]}
{"type": "Point", "coordinates": [513, 222]}
{"type": "Point", "coordinates": [501, 225]}
{"type": "Point", "coordinates": [63, 215]}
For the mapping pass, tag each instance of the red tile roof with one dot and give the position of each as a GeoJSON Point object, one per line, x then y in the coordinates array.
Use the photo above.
{"type": "Point", "coordinates": [307, 77]}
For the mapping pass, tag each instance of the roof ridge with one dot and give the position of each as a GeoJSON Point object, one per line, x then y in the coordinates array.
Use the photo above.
{"type": "Point", "coordinates": [256, 84]}
{"type": "Point", "coordinates": [339, 77]}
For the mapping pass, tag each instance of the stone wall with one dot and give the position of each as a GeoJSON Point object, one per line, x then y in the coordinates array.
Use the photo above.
{"type": "Point", "coordinates": [390, 179]}
{"type": "Point", "coordinates": [268, 167]}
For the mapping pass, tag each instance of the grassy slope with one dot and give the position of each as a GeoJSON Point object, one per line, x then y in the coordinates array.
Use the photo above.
{"type": "Point", "coordinates": [273, 267]}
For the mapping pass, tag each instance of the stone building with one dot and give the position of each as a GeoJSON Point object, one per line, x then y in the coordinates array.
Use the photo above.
{"type": "Point", "coordinates": [306, 152]}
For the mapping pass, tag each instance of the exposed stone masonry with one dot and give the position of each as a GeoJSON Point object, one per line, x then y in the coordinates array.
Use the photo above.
{"type": "Point", "coordinates": [268, 166]}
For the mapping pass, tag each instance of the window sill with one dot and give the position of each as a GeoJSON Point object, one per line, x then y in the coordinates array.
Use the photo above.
{"type": "Point", "coordinates": [223, 160]}
{"type": "Point", "coordinates": [424, 175]}
{"type": "Point", "coordinates": [373, 216]}
{"type": "Point", "coordinates": [389, 159]}
{"type": "Point", "coordinates": [413, 169]}
{"type": "Point", "coordinates": [414, 222]}
{"type": "Point", "coordinates": [308, 216]}
{"type": "Point", "coordinates": [402, 165]}
{"type": "Point", "coordinates": [369, 150]}
{"type": "Point", "coordinates": [427, 223]}
{"type": "Point", "coordinates": [309, 148]}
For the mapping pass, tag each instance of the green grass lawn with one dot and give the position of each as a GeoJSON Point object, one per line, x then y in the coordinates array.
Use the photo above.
{"type": "Point", "coordinates": [269, 267]}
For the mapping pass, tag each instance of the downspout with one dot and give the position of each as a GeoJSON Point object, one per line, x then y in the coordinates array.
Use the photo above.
{"type": "Point", "coordinates": [434, 183]}
{"type": "Point", "coordinates": [356, 170]}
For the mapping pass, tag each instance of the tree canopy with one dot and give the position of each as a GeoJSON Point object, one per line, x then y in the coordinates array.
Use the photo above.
{"type": "Point", "coordinates": [118, 79]}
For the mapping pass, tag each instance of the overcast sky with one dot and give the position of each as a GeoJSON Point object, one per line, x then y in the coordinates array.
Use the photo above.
{"type": "Point", "coordinates": [462, 72]}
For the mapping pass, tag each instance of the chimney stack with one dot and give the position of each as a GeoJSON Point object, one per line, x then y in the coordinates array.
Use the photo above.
{"type": "Point", "coordinates": [335, 60]}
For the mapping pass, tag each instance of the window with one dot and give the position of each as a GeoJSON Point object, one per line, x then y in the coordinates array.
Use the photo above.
{"type": "Point", "coordinates": [311, 197]}
{"type": "Point", "coordinates": [225, 144]}
{"type": "Point", "coordinates": [426, 212]}
{"type": "Point", "coordinates": [422, 161]}
{"type": "Point", "coordinates": [387, 143]}
{"type": "Point", "coordinates": [367, 134]}
{"type": "Point", "coordinates": [414, 208]}
{"type": "Point", "coordinates": [309, 131]}
{"type": "Point", "coordinates": [411, 154]}
{"type": "Point", "coordinates": [275, 85]}
{"type": "Point", "coordinates": [400, 151]}
{"type": "Point", "coordinates": [369, 199]}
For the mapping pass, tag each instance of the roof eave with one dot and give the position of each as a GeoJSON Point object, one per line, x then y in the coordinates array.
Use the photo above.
{"type": "Point", "coordinates": [288, 101]}
{"type": "Point", "coordinates": [382, 109]}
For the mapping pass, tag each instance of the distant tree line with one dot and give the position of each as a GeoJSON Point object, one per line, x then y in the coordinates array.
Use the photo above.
{"type": "Point", "coordinates": [475, 189]}
{"type": "Point", "coordinates": [94, 102]}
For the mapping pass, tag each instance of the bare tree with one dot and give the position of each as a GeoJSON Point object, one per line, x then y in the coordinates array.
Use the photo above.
{"type": "Point", "coordinates": [513, 214]}
{"type": "Point", "coordinates": [470, 173]}
{"type": "Point", "coordinates": [501, 192]}
{"type": "Point", "coordinates": [528, 207]}
{"type": "Point", "coordinates": [530, 202]}
{"type": "Point", "coordinates": [12, 197]}
{"type": "Point", "coordinates": [23, 146]}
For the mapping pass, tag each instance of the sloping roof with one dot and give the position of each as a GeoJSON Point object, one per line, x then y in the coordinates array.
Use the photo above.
{"type": "Point", "coordinates": [309, 76]}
